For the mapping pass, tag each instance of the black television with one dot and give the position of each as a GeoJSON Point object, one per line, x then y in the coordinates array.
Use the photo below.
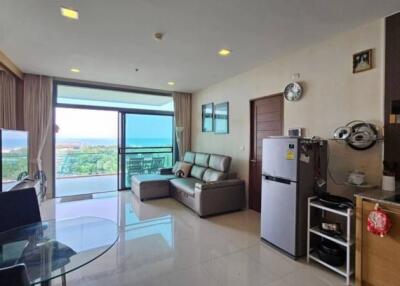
{"type": "Point", "coordinates": [14, 165]}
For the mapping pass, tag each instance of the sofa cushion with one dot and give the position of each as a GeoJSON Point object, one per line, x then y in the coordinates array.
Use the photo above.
{"type": "Point", "coordinates": [197, 172]}
{"type": "Point", "coordinates": [202, 159]}
{"type": "Point", "coordinates": [220, 163]}
{"type": "Point", "coordinates": [189, 157]}
{"type": "Point", "coordinates": [186, 185]}
{"type": "Point", "coordinates": [211, 175]}
{"type": "Point", "coordinates": [183, 169]}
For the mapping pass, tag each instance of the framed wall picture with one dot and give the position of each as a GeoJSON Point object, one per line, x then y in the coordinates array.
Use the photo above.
{"type": "Point", "coordinates": [221, 118]}
{"type": "Point", "coordinates": [362, 61]}
{"type": "Point", "coordinates": [207, 114]}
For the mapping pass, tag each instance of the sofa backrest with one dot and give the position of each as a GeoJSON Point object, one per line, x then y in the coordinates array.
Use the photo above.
{"type": "Point", "coordinates": [208, 167]}
{"type": "Point", "coordinates": [220, 163]}
{"type": "Point", "coordinates": [189, 157]}
{"type": "Point", "coordinates": [202, 159]}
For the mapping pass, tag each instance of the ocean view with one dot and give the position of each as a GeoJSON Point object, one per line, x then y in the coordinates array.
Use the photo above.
{"type": "Point", "coordinates": [12, 144]}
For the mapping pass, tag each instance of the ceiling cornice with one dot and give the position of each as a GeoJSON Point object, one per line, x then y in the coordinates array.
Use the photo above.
{"type": "Point", "coordinates": [10, 66]}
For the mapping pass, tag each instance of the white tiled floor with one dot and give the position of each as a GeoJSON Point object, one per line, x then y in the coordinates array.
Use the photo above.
{"type": "Point", "coordinates": [164, 243]}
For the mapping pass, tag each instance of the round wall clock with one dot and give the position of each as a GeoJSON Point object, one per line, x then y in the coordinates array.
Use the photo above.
{"type": "Point", "coordinates": [293, 91]}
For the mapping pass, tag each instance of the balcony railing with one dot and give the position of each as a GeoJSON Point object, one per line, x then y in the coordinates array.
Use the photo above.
{"type": "Point", "coordinates": [77, 163]}
{"type": "Point", "coordinates": [135, 161]}
{"type": "Point", "coordinates": [145, 160]}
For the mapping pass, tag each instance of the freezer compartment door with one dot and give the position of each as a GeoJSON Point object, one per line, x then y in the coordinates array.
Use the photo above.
{"type": "Point", "coordinates": [278, 214]}
{"type": "Point", "coordinates": [280, 158]}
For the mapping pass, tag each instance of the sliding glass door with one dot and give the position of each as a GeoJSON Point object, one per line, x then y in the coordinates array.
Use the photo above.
{"type": "Point", "coordinates": [146, 145]}
{"type": "Point", "coordinates": [85, 151]}
{"type": "Point", "coordinates": [105, 135]}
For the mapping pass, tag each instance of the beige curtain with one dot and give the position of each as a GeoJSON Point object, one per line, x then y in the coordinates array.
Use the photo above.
{"type": "Point", "coordinates": [183, 121]}
{"type": "Point", "coordinates": [8, 101]}
{"type": "Point", "coordinates": [37, 116]}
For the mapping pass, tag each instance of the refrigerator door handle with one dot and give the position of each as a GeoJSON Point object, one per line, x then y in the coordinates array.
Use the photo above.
{"type": "Point", "coordinates": [278, 180]}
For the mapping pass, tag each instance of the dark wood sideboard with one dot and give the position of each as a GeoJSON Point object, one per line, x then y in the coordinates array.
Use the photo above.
{"type": "Point", "coordinates": [392, 92]}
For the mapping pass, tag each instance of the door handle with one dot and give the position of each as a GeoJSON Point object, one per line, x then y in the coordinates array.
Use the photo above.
{"type": "Point", "coordinates": [253, 160]}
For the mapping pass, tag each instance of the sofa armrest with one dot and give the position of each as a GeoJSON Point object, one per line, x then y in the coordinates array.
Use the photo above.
{"type": "Point", "coordinates": [219, 197]}
{"type": "Point", "coordinates": [165, 171]}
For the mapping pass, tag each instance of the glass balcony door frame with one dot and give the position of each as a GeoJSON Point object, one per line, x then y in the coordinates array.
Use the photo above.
{"type": "Point", "coordinates": [55, 141]}
{"type": "Point", "coordinates": [123, 150]}
{"type": "Point", "coordinates": [121, 111]}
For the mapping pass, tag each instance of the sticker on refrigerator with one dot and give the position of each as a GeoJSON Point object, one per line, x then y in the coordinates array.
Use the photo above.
{"type": "Point", "coordinates": [290, 154]}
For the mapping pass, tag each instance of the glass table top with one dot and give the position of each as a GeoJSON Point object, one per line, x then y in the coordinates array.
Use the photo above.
{"type": "Point", "coordinates": [52, 248]}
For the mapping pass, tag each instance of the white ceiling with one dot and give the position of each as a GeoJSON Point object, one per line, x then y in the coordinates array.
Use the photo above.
{"type": "Point", "coordinates": [84, 93]}
{"type": "Point", "coordinates": [113, 37]}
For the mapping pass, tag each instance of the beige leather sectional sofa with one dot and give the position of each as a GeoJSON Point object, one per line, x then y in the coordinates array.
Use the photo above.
{"type": "Point", "coordinates": [208, 190]}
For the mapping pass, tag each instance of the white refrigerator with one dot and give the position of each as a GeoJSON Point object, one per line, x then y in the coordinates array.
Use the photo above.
{"type": "Point", "coordinates": [289, 170]}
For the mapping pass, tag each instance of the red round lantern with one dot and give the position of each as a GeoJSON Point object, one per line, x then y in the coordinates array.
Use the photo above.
{"type": "Point", "coordinates": [378, 222]}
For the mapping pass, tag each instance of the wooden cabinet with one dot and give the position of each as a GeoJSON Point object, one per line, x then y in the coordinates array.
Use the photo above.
{"type": "Point", "coordinates": [377, 258]}
{"type": "Point", "coordinates": [392, 94]}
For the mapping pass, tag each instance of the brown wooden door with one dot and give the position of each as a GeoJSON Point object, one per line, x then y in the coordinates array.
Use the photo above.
{"type": "Point", "coordinates": [266, 119]}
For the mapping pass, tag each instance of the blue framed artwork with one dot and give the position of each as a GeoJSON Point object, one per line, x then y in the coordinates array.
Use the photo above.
{"type": "Point", "coordinates": [221, 118]}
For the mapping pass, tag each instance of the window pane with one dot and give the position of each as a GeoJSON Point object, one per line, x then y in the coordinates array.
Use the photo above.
{"type": "Point", "coordinates": [86, 151]}
{"type": "Point", "coordinates": [148, 130]}
{"type": "Point", "coordinates": [76, 95]}
{"type": "Point", "coordinates": [149, 144]}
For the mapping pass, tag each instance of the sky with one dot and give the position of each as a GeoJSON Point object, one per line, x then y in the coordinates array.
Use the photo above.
{"type": "Point", "coordinates": [148, 126]}
{"type": "Point", "coordinates": [83, 123]}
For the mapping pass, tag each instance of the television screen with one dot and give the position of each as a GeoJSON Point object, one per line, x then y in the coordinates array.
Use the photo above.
{"type": "Point", "coordinates": [14, 157]}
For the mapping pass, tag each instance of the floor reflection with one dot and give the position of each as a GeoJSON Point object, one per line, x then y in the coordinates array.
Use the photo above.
{"type": "Point", "coordinates": [152, 227]}
{"type": "Point", "coordinates": [134, 220]}
{"type": "Point", "coordinates": [161, 242]}
{"type": "Point", "coordinates": [136, 223]}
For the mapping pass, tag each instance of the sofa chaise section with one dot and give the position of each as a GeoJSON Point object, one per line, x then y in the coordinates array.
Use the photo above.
{"type": "Point", "coordinates": [155, 186]}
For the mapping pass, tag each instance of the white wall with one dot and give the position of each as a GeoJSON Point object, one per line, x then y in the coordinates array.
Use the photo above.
{"type": "Point", "coordinates": [333, 96]}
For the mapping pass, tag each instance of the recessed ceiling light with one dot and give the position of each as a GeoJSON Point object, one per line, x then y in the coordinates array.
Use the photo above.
{"type": "Point", "coordinates": [69, 13]}
{"type": "Point", "coordinates": [171, 83]}
{"type": "Point", "coordinates": [224, 52]}
{"type": "Point", "coordinates": [75, 70]}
